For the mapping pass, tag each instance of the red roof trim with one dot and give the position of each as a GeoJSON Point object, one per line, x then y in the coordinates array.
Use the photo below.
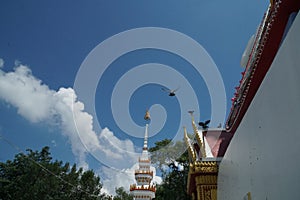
{"type": "Point", "coordinates": [266, 45]}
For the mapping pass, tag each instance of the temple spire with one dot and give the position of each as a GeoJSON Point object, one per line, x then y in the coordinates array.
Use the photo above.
{"type": "Point", "coordinates": [146, 138]}
{"type": "Point", "coordinates": [144, 189]}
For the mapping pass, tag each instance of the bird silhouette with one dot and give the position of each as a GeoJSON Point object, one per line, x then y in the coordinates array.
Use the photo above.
{"type": "Point", "coordinates": [204, 125]}
{"type": "Point", "coordinates": [171, 92]}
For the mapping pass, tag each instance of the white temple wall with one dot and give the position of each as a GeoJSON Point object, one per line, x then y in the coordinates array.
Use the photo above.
{"type": "Point", "coordinates": [263, 157]}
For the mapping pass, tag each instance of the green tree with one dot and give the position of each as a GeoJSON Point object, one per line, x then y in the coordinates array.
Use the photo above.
{"type": "Point", "coordinates": [35, 176]}
{"type": "Point", "coordinates": [174, 169]}
{"type": "Point", "coordinates": [121, 194]}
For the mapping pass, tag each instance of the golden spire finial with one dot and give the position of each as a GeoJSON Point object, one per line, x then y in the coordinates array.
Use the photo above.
{"type": "Point", "coordinates": [193, 122]}
{"type": "Point", "coordinates": [147, 115]}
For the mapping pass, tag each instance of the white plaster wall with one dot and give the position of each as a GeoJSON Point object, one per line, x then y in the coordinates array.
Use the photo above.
{"type": "Point", "coordinates": [263, 157]}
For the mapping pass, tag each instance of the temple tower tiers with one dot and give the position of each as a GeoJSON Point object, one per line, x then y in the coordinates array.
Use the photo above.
{"type": "Point", "coordinates": [143, 189]}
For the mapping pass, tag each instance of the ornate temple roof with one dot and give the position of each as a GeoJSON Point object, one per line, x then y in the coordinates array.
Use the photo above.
{"type": "Point", "coordinates": [211, 142]}
{"type": "Point", "coordinates": [264, 48]}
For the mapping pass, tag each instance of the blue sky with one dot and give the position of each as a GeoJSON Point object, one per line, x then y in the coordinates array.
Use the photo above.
{"type": "Point", "coordinates": [53, 38]}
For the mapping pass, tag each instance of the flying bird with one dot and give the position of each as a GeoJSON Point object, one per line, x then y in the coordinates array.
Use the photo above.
{"type": "Point", "coordinates": [204, 125]}
{"type": "Point", "coordinates": [171, 92]}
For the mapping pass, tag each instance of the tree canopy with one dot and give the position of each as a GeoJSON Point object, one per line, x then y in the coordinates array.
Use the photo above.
{"type": "Point", "coordinates": [174, 169]}
{"type": "Point", "coordinates": [35, 176]}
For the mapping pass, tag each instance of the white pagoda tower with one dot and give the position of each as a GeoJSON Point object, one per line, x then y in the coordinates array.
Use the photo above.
{"type": "Point", "coordinates": [144, 189]}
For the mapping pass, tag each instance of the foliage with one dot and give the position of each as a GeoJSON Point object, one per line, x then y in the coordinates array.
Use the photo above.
{"type": "Point", "coordinates": [165, 152]}
{"type": "Point", "coordinates": [35, 176]}
{"type": "Point", "coordinates": [175, 175]}
{"type": "Point", "coordinates": [121, 194]}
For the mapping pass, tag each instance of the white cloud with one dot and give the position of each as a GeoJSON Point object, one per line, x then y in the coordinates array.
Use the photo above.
{"type": "Point", "coordinates": [37, 103]}
{"type": "Point", "coordinates": [114, 178]}
{"type": "Point", "coordinates": [1, 62]}
{"type": "Point", "coordinates": [22, 90]}
{"type": "Point", "coordinates": [156, 179]}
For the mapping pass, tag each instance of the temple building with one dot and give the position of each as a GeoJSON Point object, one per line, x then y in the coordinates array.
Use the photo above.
{"type": "Point", "coordinates": [260, 162]}
{"type": "Point", "coordinates": [144, 189]}
{"type": "Point", "coordinates": [205, 153]}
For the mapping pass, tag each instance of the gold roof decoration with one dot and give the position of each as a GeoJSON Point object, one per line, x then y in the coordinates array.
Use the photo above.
{"type": "Point", "coordinates": [191, 151]}
{"type": "Point", "coordinates": [199, 138]}
{"type": "Point", "coordinates": [201, 144]}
